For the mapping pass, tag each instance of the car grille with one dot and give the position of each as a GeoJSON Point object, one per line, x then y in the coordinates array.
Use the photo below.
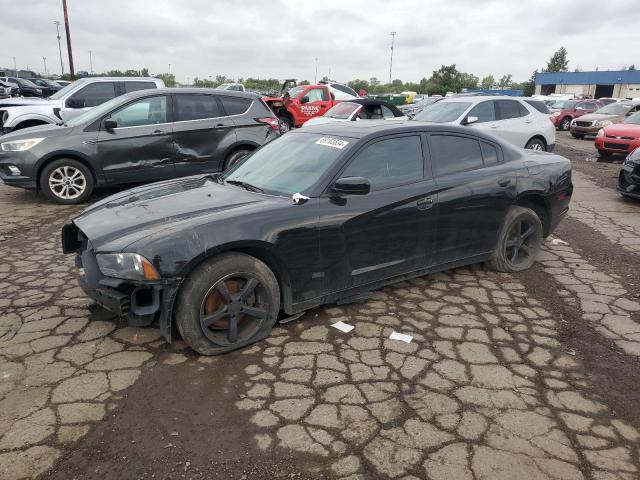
{"type": "Point", "coordinates": [616, 146]}
{"type": "Point", "coordinates": [620, 138]}
{"type": "Point", "coordinates": [583, 124]}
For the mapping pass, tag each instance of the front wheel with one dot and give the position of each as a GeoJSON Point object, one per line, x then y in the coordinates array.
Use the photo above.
{"type": "Point", "coordinates": [66, 181]}
{"type": "Point", "coordinates": [577, 135]}
{"type": "Point", "coordinates": [519, 241]}
{"type": "Point", "coordinates": [604, 155]}
{"type": "Point", "coordinates": [564, 125]}
{"type": "Point", "coordinates": [536, 144]}
{"type": "Point", "coordinates": [226, 303]}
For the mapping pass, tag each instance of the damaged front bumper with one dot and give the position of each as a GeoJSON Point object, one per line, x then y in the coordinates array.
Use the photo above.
{"type": "Point", "coordinates": [139, 303]}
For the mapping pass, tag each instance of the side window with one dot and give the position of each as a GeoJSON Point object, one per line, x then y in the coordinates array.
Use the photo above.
{"type": "Point", "coordinates": [196, 107]}
{"type": "Point", "coordinates": [235, 105]}
{"type": "Point", "coordinates": [135, 86]}
{"type": "Point", "coordinates": [524, 111]}
{"type": "Point", "coordinates": [581, 106]}
{"type": "Point", "coordinates": [484, 111]}
{"type": "Point", "coordinates": [316, 95]}
{"type": "Point", "coordinates": [387, 113]}
{"type": "Point", "coordinates": [452, 154]}
{"type": "Point", "coordinates": [148, 111]}
{"type": "Point", "coordinates": [388, 163]}
{"type": "Point", "coordinates": [489, 153]}
{"type": "Point", "coordinates": [590, 106]}
{"type": "Point", "coordinates": [95, 93]}
{"type": "Point", "coordinates": [506, 109]}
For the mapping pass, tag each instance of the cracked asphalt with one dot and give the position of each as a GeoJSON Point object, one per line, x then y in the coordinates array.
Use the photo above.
{"type": "Point", "coordinates": [533, 376]}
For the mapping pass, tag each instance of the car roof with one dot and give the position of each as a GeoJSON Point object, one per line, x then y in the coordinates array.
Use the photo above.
{"type": "Point", "coordinates": [210, 91]}
{"type": "Point", "coordinates": [370, 101]}
{"type": "Point", "coordinates": [478, 98]}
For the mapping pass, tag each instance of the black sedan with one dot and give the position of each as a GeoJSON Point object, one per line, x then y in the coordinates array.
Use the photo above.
{"type": "Point", "coordinates": [319, 215]}
{"type": "Point", "coordinates": [629, 178]}
{"type": "Point", "coordinates": [48, 87]}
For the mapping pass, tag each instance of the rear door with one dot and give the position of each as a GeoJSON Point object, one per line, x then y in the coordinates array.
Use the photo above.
{"type": "Point", "coordinates": [387, 232]}
{"type": "Point", "coordinates": [475, 188]}
{"type": "Point", "coordinates": [202, 133]}
{"type": "Point", "coordinates": [139, 149]}
{"type": "Point", "coordinates": [514, 122]}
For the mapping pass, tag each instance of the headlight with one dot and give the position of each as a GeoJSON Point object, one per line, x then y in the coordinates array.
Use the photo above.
{"type": "Point", "coordinates": [20, 145]}
{"type": "Point", "coordinates": [603, 123]}
{"type": "Point", "coordinates": [556, 114]}
{"type": "Point", "coordinates": [600, 133]}
{"type": "Point", "coordinates": [127, 265]}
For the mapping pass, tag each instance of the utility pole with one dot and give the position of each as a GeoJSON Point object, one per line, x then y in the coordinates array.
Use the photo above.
{"type": "Point", "coordinates": [15, 67]}
{"type": "Point", "coordinates": [393, 37]}
{"type": "Point", "coordinates": [315, 79]}
{"type": "Point", "coordinates": [90, 63]}
{"type": "Point", "coordinates": [57, 24]}
{"type": "Point", "coordinates": [66, 26]}
{"type": "Point", "coordinates": [44, 60]}
{"type": "Point", "coordinates": [169, 72]}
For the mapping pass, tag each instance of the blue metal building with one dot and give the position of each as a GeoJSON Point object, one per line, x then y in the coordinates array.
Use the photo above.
{"type": "Point", "coordinates": [619, 84]}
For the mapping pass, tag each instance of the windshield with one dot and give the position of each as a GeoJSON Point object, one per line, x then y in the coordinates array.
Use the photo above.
{"type": "Point", "coordinates": [295, 91]}
{"type": "Point", "coordinates": [342, 110]}
{"type": "Point", "coordinates": [291, 163]}
{"type": "Point", "coordinates": [25, 83]}
{"type": "Point", "coordinates": [442, 112]}
{"type": "Point", "coordinates": [562, 104]}
{"type": "Point", "coordinates": [96, 112]}
{"type": "Point", "coordinates": [223, 86]}
{"type": "Point", "coordinates": [62, 92]}
{"type": "Point", "coordinates": [614, 109]}
{"type": "Point", "coordinates": [633, 119]}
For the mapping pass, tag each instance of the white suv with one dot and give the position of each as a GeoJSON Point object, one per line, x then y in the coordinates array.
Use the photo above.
{"type": "Point", "coordinates": [509, 118]}
{"type": "Point", "coordinates": [71, 101]}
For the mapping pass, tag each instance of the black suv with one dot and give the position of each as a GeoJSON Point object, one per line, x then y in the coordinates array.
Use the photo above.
{"type": "Point", "coordinates": [138, 137]}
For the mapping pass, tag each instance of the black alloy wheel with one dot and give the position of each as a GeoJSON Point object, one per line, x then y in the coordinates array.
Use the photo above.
{"type": "Point", "coordinates": [519, 241]}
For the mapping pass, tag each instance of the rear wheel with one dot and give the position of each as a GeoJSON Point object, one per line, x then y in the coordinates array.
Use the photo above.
{"type": "Point", "coordinates": [536, 144]}
{"type": "Point", "coordinates": [564, 125]}
{"type": "Point", "coordinates": [285, 124]}
{"type": "Point", "coordinates": [226, 303]}
{"type": "Point", "coordinates": [519, 241]}
{"type": "Point", "coordinates": [66, 181]}
{"type": "Point", "coordinates": [604, 155]}
{"type": "Point", "coordinates": [235, 157]}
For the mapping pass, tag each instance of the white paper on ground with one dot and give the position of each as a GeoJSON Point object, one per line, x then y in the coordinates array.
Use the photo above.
{"type": "Point", "coordinates": [343, 327]}
{"type": "Point", "coordinates": [557, 241]}
{"type": "Point", "coordinates": [403, 337]}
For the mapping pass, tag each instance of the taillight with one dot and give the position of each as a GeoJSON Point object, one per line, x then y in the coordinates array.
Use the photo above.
{"type": "Point", "coordinates": [271, 121]}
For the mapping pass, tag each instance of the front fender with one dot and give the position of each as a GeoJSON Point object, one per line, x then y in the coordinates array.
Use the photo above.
{"type": "Point", "coordinates": [12, 121]}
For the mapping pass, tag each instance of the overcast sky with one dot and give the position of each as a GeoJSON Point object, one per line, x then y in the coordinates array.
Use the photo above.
{"type": "Point", "coordinates": [281, 38]}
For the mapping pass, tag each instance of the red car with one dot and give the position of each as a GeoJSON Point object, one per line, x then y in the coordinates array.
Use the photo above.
{"type": "Point", "coordinates": [563, 111]}
{"type": "Point", "coordinates": [619, 137]}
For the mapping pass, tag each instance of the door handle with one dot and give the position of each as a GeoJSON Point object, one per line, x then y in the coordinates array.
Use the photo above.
{"type": "Point", "coordinates": [528, 121]}
{"type": "Point", "coordinates": [425, 203]}
{"type": "Point", "coordinates": [503, 182]}
{"type": "Point", "coordinates": [157, 132]}
{"type": "Point", "coordinates": [220, 125]}
{"type": "Point", "coordinates": [494, 125]}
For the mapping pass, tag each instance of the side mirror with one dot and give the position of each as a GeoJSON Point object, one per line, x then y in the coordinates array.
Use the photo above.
{"type": "Point", "coordinates": [629, 113]}
{"type": "Point", "coordinates": [469, 120]}
{"type": "Point", "coordinates": [75, 103]}
{"type": "Point", "coordinates": [109, 124]}
{"type": "Point", "coordinates": [304, 99]}
{"type": "Point", "coordinates": [352, 186]}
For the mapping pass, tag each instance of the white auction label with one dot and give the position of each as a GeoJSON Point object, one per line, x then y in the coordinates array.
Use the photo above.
{"type": "Point", "coordinates": [332, 142]}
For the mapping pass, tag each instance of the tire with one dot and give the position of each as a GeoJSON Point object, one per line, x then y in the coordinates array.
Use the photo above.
{"type": "Point", "coordinates": [518, 220]}
{"type": "Point", "coordinates": [215, 290]}
{"type": "Point", "coordinates": [235, 157]}
{"type": "Point", "coordinates": [69, 173]}
{"type": "Point", "coordinates": [536, 144]}
{"type": "Point", "coordinates": [604, 155]}
{"type": "Point", "coordinates": [578, 136]}
{"type": "Point", "coordinates": [285, 124]}
{"type": "Point", "coordinates": [564, 125]}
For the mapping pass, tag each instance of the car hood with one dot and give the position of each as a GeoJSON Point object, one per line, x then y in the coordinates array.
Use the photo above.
{"type": "Point", "coordinates": [590, 117]}
{"type": "Point", "coordinates": [127, 217]}
{"type": "Point", "coordinates": [623, 129]}
{"type": "Point", "coordinates": [44, 131]}
{"type": "Point", "coordinates": [17, 102]}
{"type": "Point", "coordinates": [321, 121]}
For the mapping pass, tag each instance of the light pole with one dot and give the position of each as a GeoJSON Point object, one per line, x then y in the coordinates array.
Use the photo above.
{"type": "Point", "coordinates": [393, 37]}
{"type": "Point", "coordinates": [68, 30]}
{"type": "Point", "coordinates": [90, 62]}
{"type": "Point", "coordinates": [15, 67]}
{"type": "Point", "coordinates": [44, 60]}
{"type": "Point", "coordinates": [315, 79]}
{"type": "Point", "coordinates": [57, 24]}
{"type": "Point", "coordinates": [169, 72]}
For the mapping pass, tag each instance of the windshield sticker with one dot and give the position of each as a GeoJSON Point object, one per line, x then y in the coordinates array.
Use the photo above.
{"type": "Point", "coordinates": [332, 142]}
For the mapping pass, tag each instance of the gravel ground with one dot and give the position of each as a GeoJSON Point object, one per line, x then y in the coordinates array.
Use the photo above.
{"type": "Point", "coordinates": [535, 375]}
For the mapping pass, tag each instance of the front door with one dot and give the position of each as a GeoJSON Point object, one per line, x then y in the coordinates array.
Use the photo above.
{"type": "Point", "coordinates": [202, 133]}
{"type": "Point", "coordinates": [87, 97]}
{"type": "Point", "coordinates": [139, 148]}
{"type": "Point", "coordinates": [314, 102]}
{"type": "Point", "coordinates": [387, 232]}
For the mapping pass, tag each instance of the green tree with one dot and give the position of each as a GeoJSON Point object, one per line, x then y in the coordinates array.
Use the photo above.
{"type": "Point", "coordinates": [488, 82]}
{"type": "Point", "coordinates": [374, 82]}
{"type": "Point", "coordinates": [558, 61]}
{"type": "Point", "coordinates": [632, 67]}
{"type": "Point", "coordinates": [304, 82]}
{"type": "Point", "coordinates": [358, 85]}
{"type": "Point", "coordinates": [529, 87]}
{"type": "Point", "coordinates": [448, 79]}
{"type": "Point", "coordinates": [468, 80]}
{"type": "Point", "coordinates": [169, 79]}
{"type": "Point", "coordinates": [505, 81]}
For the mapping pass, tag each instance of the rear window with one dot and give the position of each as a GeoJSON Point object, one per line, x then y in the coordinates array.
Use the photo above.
{"type": "Point", "coordinates": [196, 107]}
{"type": "Point", "coordinates": [538, 105]}
{"type": "Point", "coordinates": [235, 105]}
{"type": "Point", "coordinates": [451, 154]}
{"type": "Point", "coordinates": [135, 86]}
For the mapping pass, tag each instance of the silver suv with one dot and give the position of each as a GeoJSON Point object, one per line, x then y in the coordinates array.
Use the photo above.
{"type": "Point", "coordinates": [71, 101]}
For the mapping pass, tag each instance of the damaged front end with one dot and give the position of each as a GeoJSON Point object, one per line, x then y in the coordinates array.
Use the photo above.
{"type": "Point", "coordinates": [139, 301]}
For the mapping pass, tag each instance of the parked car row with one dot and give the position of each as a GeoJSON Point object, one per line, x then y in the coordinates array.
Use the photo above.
{"type": "Point", "coordinates": [590, 124]}
{"type": "Point", "coordinates": [31, 87]}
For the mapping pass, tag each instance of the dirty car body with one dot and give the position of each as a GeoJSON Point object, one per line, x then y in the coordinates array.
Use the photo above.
{"type": "Point", "coordinates": [323, 243]}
